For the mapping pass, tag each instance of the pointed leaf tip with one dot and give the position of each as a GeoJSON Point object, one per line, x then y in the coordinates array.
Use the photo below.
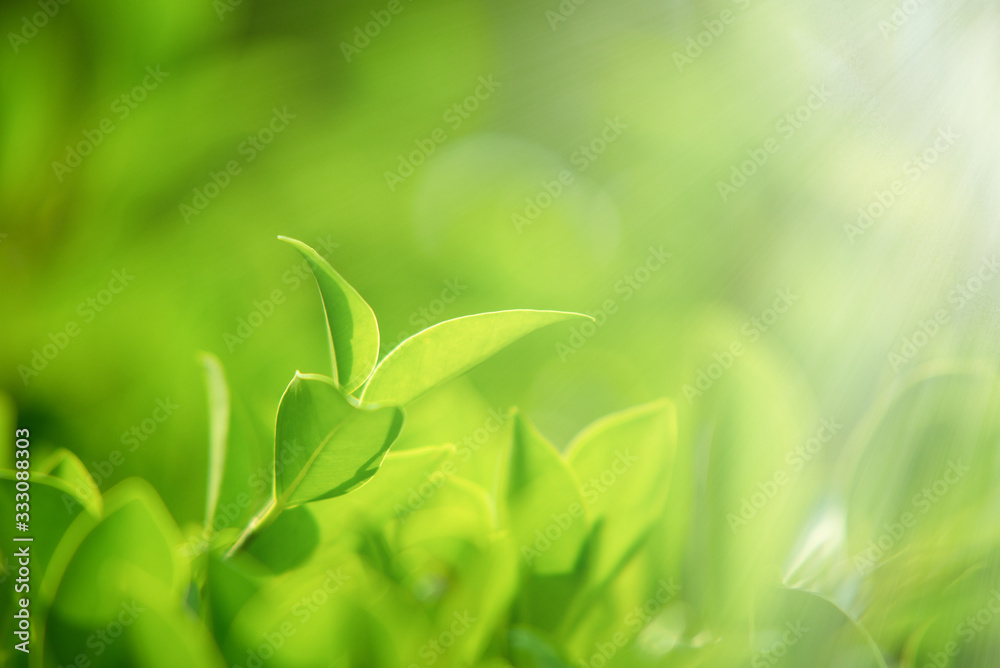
{"type": "Point", "coordinates": [449, 349]}
{"type": "Point", "coordinates": [351, 325]}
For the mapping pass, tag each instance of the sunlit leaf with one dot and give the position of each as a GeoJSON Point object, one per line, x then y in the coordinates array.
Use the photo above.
{"type": "Point", "coordinates": [450, 348]}
{"type": "Point", "coordinates": [623, 462]}
{"type": "Point", "coordinates": [325, 443]}
{"type": "Point", "coordinates": [135, 542]}
{"type": "Point", "coordinates": [218, 430]}
{"type": "Point", "coordinates": [66, 466]}
{"type": "Point", "coordinates": [351, 324]}
{"type": "Point", "coordinates": [55, 503]}
{"type": "Point", "coordinates": [405, 482]}
{"type": "Point", "coordinates": [240, 464]}
{"type": "Point", "coordinates": [546, 510]}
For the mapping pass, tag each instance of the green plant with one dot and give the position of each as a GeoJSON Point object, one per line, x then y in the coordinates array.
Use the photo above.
{"type": "Point", "coordinates": [334, 441]}
{"type": "Point", "coordinates": [333, 434]}
{"type": "Point", "coordinates": [353, 552]}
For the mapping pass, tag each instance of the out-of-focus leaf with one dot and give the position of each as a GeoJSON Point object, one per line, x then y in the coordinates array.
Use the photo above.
{"type": "Point", "coordinates": [241, 464]}
{"type": "Point", "coordinates": [66, 466]}
{"type": "Point", "coordinates": [623, 462]}
{"type": "Point", "coordinates": [248, 475]}
{"type": "Point", "coordinates": [229, 584]}
{"type": "Point", "coordinates": [332, 614]}
{"type": "Point", "coordinates": [351, 324]}
{"type": "Point", "coordinates": [325, 443]}
{"type": "Point", "coordinates": [462, 577]}
{"type": "Point", "coordinates": [924, 460]}
{"type": "Point", "coordinates": [148, 629]}
{"type": "Point", "coordinates": [55, 504]}
{"type": "Point", "coordinates": [802, 628]}
{"type": "Point", "coordinates": [530, 649]}
{"type": "Point", "coordinates": [449, 349]}
{"type": "Point", "coordinates": [459, 512]}
{"type": "Point", "coordinates": [218, 430]}
{"type": "Point", "coordinates": [287, 542]}
{"type": "Point", "coordinates": [546, 511]}
{"type": "Point", "coordinates": [168, 637]}
{"type": "Point", "coordinates": [483, 587]}
{"type": "Point", "coordinates": [752, 492]}
{"type": "Point", "coordinates": [405, 482]}
{"type": "Point", "coordinates": [136, 542]}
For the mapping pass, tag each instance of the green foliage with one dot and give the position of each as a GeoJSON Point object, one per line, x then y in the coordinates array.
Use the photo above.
{"type": "Point", "coordinates": [352, 553]}
{"type": "Point", "coordinates": [332, 445]}
{"type": "Point", "coordinates": [637, 447]}
{"type": "Point", "coordinates": [451, 348]}
{"type": "Point", "coordinates": [350, 322]}
{"type": "Point", "coordinates": [544, 503]}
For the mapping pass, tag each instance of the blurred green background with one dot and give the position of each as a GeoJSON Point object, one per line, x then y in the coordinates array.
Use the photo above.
{"type": "Point", "coordinates": [841, 153]}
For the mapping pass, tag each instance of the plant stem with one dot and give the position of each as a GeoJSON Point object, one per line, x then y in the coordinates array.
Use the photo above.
{"type": "Point", "coordinates": [258, 521]}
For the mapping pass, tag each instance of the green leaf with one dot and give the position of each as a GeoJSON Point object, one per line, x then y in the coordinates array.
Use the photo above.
{"type": "Point", "coordinates": [405, 482]}
{"type": "Point", "coordinates": [240, 475]}
{"type": "Point", "coordinates": [810, 630]}
{"type": "Point", "coordinates": [218, 430]}
{"type": "Point", "coordinates": [547, 514]}
{"type": "Point", "coordinates": [229, 584]}
{"type": "Point", "coordinates": [624, 465]}
{"type": "Point", "coordinates": [151, 628]}
{"type": "Point", "coordinates": [165, 636]}
{"type": "Point", "coordinates": [325, 444]}
{"type": "Point", "coordinates": [449, 349]}
{"type": "Point", "coordinates": [287, 542]}
{"type": "Point", "coordinates": [133, 545]}
{"type": "Point", "coordinates": [530, 648]}
{"type": "Point", "coordinates": [351, 324]}
{"type": "Point", "coordinates": [55, 504]}
{"type": "Point", "coordinates": [66, 466]}
{"type": "Point", "coordinates": [332, 623]}
{"type": "Point", "coordinates": [455, 515]}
